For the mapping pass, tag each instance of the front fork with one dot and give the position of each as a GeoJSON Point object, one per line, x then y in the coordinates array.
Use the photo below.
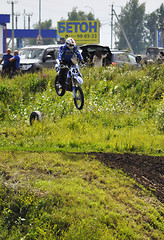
{"type": "Point", "coordinates": [74, 91]}
{"type": "Point", "coordinates": [74, 87]}
{"type": "Point", "coordinates": [74, 84]}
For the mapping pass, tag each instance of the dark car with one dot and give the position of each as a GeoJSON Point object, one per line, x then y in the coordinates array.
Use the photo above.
{"type": "Point", "coordinates": [120, 58]}
{"type": "Point", "coordinates": [153, 52]}
{"type": "Point", "coordinates": [88, 51]}
{"type": "Point", "coordinates": [35, 58]}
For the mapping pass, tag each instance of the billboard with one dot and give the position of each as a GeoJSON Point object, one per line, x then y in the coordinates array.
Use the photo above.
{"type": "Point", "coordinates": [84, 32]}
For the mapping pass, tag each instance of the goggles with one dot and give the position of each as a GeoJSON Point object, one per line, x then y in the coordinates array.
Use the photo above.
{"type": "Point", "coordinates": [70, 45]}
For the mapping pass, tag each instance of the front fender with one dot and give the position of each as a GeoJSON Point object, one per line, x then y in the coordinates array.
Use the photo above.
{"type": "Point", "coordinates": [79, 79]}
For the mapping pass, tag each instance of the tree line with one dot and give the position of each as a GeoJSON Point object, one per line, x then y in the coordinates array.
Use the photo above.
{"type": "Point", "coordinates": [140, 28]}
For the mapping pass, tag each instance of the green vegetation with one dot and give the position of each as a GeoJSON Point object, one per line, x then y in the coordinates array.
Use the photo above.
{"type": "Point", "coordinates": [123, 112]}
{"type": "Point", "coordinates": [132, 15]}
{"type": "Point", "coordinates": [50, 189]}
{"type": "Point", "coordinates": [72, 196]}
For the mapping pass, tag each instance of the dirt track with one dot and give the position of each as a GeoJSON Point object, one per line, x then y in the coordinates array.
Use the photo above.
{"type": "Point", "coordinates": [147, 170]}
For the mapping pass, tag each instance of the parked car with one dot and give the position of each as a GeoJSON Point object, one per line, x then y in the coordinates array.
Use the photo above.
{"type": "Point", "coordinates": [35, 58]}
{"type": "Point", "coordinates": [153, 52]}
{"type": "Point", "coordinates": [88, 51]}
{"type": "Point", "coordinates": [121, 57]}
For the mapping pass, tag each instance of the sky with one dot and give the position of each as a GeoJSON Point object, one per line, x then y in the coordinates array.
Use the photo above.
{"type": "Point", "coordinates": [55, 10]}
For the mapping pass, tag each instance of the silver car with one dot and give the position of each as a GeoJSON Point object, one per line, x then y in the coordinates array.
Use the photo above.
{"type": "Point", "coordinates": [35, 58]}
{"type": "Point", "coordinates": [121, 58]}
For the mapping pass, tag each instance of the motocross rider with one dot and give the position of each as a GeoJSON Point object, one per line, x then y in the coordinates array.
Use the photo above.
{"type": "Point", "coordinates": [65, 55]}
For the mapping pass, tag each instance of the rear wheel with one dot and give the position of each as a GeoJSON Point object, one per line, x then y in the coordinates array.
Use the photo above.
{"type": "Point", "coordinates": [60, 90]}
{"type": "Point", "coordinates": [78, 98]}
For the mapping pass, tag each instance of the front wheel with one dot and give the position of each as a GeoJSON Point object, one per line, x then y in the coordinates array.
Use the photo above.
{"type": "Point", "coordinates": [60, 90]}
{"type": "Point", "coordinates": [78, 97]}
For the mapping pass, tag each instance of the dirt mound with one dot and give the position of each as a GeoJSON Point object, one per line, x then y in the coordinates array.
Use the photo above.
{"type": "Point", "coordinates": [147, 170]}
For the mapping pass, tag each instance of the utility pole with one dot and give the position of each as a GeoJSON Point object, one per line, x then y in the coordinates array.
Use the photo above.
{"type": "Point", "coordinates": [12, 8]}
{"type": "Point", "coordinates": [16, 26]}
{"type": "Point", "coordinates": [29, 15]}
{"type": "Point", "coordinates": [39, 37]}
{"type": "Point", "coordinates": [123, 31]}
{"type": "Point", "coordinates": [24, 19]}
{"type": "Point", "coordinates": [40, 17]}
{"type": "Point", "coordinates": [16, 19]}
{"type": "Point", "coordinates": [112, 27]}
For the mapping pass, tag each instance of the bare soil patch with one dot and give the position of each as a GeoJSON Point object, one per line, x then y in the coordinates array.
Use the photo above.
{"type": "Point", "coordinates": [147, 170]}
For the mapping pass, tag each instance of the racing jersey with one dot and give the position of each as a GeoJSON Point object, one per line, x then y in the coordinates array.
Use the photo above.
{"type": "Point", "coordinates": [66, 54]}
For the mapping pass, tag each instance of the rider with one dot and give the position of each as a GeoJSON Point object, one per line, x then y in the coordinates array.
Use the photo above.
{"type": "Point", "coordinates": [65, 55]}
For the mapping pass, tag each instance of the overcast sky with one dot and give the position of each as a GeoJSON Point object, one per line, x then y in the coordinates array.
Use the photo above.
{"type": "Point", "coordinates": [56, 9]}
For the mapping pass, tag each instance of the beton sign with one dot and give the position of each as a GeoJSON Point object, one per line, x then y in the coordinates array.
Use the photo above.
{"type": "Point", "coordinates": [84, 32]}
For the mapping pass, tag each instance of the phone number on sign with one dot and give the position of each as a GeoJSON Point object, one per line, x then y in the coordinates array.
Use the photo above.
{"type": "Point", "coordinates": [86, 35]}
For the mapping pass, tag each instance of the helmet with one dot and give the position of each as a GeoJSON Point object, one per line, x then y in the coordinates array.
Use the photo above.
{"type": "Point", "coordinates": [70, 42]}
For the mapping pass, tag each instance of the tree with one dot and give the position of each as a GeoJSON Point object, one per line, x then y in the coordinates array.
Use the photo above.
{"type": "Point", "coordinates": [132, 21]}
{"type": "Point", "coordinates": [154, 22]}
{"type": "Point", "coordinates": [44, 25]}
{"type": "Point", "coordinates": [160, 16]}
{"type": "Point", "coordinates": [79, 16]}
{"type": "Point", "coordinates": [151, 26]}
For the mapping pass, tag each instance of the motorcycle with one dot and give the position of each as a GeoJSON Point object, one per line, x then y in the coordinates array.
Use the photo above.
{"type": "Point", "coordinates": [72, 83]}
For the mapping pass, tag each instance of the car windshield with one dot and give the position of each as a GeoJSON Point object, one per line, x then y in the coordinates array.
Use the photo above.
{"type": "Point", "coordinates": [31, 53]}
{"type": "Point", "coordinates": [132, 58]}
{"type": "Point", "coordinates": [152, 51]}
{"type": "Point", "coordinates": [120, 57]}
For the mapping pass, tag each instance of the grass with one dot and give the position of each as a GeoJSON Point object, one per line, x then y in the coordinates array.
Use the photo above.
{"type": "Point", "coordinates": [74, 134]}
{"type": "Point", "coordinates": [50, 189]}
{"type": "Point", "coordinates": [73, 196]}
{"type": "Point", "coordinates": [123, 112]}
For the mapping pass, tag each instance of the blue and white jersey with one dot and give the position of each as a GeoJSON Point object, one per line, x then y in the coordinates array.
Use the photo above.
{"type": "Point", "coordinates": [66, 54]}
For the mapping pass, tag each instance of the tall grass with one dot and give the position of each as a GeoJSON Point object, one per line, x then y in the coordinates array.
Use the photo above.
{"type": "Point", "coordinates": [123, 112]}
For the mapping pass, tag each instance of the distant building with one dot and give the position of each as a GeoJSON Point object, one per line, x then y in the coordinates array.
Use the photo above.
{"type": "Point", "coordinates": [21, 34]}
{"type": "Point", "coordinates": [4, 19]}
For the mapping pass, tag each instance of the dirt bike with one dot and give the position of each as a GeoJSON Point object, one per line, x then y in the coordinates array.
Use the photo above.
{"type": "Point", "coordinates": [72, 83]}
